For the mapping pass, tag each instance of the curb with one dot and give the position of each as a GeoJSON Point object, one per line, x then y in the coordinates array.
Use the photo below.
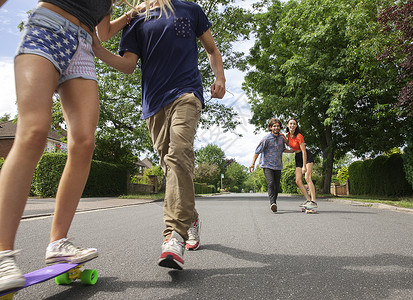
{"type": "Point", "coordinates": [372, 204]}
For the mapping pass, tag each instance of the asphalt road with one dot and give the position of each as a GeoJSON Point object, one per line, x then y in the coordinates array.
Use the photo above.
{"type": "Point", "coordinates": [247, 252]}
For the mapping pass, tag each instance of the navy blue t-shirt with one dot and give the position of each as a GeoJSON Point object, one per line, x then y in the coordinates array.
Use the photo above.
{"type": "Point", "coordinates": [169, 54]}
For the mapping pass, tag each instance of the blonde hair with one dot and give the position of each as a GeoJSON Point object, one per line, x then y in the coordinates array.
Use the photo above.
{"type": "Point", "coordinates": [164, 5]}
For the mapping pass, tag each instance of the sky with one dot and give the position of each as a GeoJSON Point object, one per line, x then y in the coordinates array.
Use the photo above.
{"type": "Point", "coordinates": [239, 148]}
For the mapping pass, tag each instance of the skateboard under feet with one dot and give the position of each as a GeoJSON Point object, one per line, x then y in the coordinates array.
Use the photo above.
{"type": "Point", "coordinates": [309, 210]}
{"type": "Point", "coordinates": [63, 274]}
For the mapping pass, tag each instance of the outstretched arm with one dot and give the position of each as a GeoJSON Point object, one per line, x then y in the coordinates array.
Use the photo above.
{"type": "Point", "coordinates": [125, 64]}
{"type": "Point", "coordinates": [215, 60]}
{"type": "Point", "coordinates": [106, 29]}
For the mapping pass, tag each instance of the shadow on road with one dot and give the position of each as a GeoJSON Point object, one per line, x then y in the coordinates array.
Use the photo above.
{"type": "Point", "coordinates": [277, 276]}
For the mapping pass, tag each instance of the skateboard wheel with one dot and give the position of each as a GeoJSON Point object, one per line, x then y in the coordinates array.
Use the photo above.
{"type": "Point", "coordinates": [63, 279]}
{"type": "Point", "coordinates": [89, 277]}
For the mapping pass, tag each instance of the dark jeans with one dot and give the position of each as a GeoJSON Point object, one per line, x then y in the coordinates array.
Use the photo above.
{"type": "Point", "coordinates": [273, 178]}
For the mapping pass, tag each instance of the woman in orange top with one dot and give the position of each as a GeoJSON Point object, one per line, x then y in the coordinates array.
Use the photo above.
{"type": "Point", "coordinates": [304, 162]}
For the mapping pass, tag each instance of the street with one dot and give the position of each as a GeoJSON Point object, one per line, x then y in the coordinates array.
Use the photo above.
{"type": "Point", "coordinates": [247, 252]}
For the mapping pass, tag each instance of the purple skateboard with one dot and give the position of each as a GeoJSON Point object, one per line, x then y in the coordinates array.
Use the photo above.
{"type": "Point", "coordinates": [63, 274]}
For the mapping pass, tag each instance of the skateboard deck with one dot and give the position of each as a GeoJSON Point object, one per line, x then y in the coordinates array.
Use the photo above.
{"type": "Point", "coordinates": [64, 273]}
{"type": "Point", "coordinates": [309, 210]}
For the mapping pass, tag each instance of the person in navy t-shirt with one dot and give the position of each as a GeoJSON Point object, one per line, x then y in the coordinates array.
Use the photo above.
{"type": "Point", "coordinates": [164, 37]}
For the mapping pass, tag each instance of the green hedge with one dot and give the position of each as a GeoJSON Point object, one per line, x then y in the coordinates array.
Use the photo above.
{"type": "Point", "coordinates": [383, 176]}
{"type": "Point", "coordinates": [104, 179]}
{"type": "Point", "coordinates": [203, 188]}
{"type": "Point", "coordinates": [287, 183]}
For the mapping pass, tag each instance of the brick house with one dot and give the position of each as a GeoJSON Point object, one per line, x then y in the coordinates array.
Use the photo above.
{"type": "Point", "coordinates": [8, 133]}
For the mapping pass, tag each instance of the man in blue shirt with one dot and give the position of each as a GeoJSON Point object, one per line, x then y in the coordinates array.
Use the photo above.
{"type": "Point", "coordinates": [271, 149]}
{"type": "Point", "coordinates": [164, 38]}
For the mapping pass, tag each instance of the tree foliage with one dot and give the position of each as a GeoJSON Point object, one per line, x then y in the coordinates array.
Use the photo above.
{"type": "Point", "coordinates": [235, 176]}
{"type": "Point", "coordinates": [316, 61]}
{"type": "Point", "coordinates": [213, 155]}
{"type": "Point", "coordinates": [207, 173]}
{"type": "Point", "coordinates": [396, 22]}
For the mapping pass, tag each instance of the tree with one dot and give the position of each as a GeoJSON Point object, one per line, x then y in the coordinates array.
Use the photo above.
{"type": "Point", "coordinates": [213, 155]}
{"type": "Point", "coordinates": [5, 118]}
{"type": "Point", "coordinates": [207, 173]}
{"type": "Point", "coordinates": [396, 22]}
{"type": "Point", "coordinates": [235, 177]}
{"type": "Point", "coordinates": [307, 63]}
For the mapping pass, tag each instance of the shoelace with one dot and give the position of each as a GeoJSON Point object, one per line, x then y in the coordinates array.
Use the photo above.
{"type": "Point", "coordinates": [8, 264]}
{"type": "Point", "coordinates": [67, 245]}
{"type": "Point", "coordinates": [174, 243]}
{"type": "Point", "coordinates": [193, 233]}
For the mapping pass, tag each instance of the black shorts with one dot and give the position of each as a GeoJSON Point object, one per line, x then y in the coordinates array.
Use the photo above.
{"type": "Point", "coordinates": [299, 158]}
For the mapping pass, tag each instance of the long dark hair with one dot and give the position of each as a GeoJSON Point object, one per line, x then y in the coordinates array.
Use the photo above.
{"type": "Point", "coordinates": [297, 129]}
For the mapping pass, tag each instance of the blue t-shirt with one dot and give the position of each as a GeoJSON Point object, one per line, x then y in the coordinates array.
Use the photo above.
{"type": "Point", "coordinates": [271, 149]}
{"type": "Point", "coordinates": [169, 54]}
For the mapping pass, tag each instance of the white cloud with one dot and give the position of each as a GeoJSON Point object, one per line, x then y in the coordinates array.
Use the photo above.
{"type": "Point", "coordinates": [240, 148]}
{"type": "Point", "coordinates": [7, 87]}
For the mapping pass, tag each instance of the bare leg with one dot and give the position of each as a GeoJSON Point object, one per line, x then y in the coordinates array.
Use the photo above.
{"type": "Point", "coordinates": [310, 181]}
{"type": "Point", "coordinates": [299, 182]}
{"type": "Point", "coordinates": [34, 91]}
{"type": "Point", "coordinates": [80, 104]}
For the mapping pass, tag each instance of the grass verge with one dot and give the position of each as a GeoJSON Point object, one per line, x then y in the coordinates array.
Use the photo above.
{"type": "Point", "coordinates": [406, 202]}
{"type": "Point", "coordinates": [144, 196]}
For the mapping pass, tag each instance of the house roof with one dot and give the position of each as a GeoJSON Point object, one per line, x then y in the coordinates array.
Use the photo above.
{"type": "Point", "coordinates": [147, 163]}
{"type": "Point", "coordinates": [8, 130]}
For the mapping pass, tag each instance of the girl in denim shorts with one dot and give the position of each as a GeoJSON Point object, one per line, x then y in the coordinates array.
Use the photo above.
{"type": "Point", "coordinates": [54, 55]}
{"type": "Point", "coordinates": [304, 162]}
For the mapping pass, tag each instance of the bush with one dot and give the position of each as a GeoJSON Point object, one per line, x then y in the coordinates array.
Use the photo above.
{"type": "Point", "coordinates": [104, 179]}
{"type": "Point", "coordinates": [383, 176]}
{"type": "Point", "coordinates": [1, 162]}
{"type": "Point", "coordinates": [203, 188]}
{"type": "Point", "coordinates": [288, 179]}
{"type": "Point", "coordinates": [342, 175]}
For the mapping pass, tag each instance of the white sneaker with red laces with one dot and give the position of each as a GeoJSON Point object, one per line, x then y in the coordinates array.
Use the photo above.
{"type": "Point", "coordinates": [194, 231]}
{"type": "Point", "coordinates": [173, 252]}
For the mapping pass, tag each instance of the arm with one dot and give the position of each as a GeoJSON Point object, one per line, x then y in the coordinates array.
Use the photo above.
{"type": "Point", "coordinates": [252, 167]}
{"type": "Point", "coordinates": [2, 2]}
{"type": "Point", "coordinates": [302, 147]}
{"type": "Point", "coordinates": [106, 29]}
{"type": "Point", "coordinates": [285, 138]}
{"type": "Point", "coordinates": [215, 61]}
{"type": "Point", "coordinates": [125, 64]}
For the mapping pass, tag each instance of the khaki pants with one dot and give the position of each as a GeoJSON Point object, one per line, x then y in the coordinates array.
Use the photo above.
{"type": "Point", "coordinates": [173, 130]}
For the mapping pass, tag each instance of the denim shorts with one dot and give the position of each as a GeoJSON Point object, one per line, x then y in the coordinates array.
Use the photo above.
{"type": "Point", "coordinates": [67, 46]}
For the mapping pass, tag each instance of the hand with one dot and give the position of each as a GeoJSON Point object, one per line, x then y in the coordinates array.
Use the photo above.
{"type": "Point", "coordinates": [218, 89]}
{"type": "Point", "coordinates": [252, 167]}
{"type": "Point", "coordinates": [96, 43]}
{"type": "Point", "coordinates": [304, 170]}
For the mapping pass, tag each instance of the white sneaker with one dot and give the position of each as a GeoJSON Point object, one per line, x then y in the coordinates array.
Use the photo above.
{"type": "Point", "coordinates": [173, 252]}
{"type": "Point", "coordinates": [194, 240]}
{"type": "Point", "coordinates": [10, 275]}
{"type": "Point", "coordinates": [63, 251]}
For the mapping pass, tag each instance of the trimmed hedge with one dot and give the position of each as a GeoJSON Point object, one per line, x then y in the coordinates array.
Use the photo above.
{"type": "Point", "coordinates": [383, 176]}
{"type": "Point", "coordinates": [203, 188]}
{"type": "Point", "coordinates": [104, 179]}
{"type": "Point", "coordinates": [287, 184]}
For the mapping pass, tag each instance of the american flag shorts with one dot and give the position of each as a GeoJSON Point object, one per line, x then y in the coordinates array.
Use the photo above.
{"type": "Point", "coordinates": [67, 46]}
